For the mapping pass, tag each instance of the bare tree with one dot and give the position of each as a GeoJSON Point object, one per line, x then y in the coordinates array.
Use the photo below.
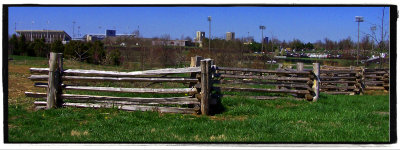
{"type": "Point", "coordinates": [384, 36]}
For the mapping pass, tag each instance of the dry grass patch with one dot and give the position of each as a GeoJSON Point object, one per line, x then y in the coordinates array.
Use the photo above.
{"type": "Point", "coordinates": [222, 118]}
{"type": "Point", "coordinates": [77, 133]}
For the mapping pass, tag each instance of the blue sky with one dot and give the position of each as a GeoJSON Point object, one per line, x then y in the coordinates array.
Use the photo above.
{"type": "Point", "coordinates": [308, 24]}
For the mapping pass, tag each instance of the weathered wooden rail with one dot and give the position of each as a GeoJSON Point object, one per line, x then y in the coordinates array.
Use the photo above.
{"type": "Point", "coordinates": [302, 84]}
{"type": "Point", "coordinates": [353, 80]}
{"type": "Point", "coordinates": [341, 80]}
{"type": "Point", "coordinates": [376, 79]}
{"type": "Point", "coordinates": [197, 100]}
{"type": "Point", "coordinates": [203, 79]}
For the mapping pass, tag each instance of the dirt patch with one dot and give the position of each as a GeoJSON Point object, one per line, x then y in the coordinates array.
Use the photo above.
{"type": "Point", "coordinates": [11, 126]}
{"type": "Point", "coordinates": [286, 105]}
{"type": "Point", "coordinates": [381, 112]}
{"type": "Point", "coordinates": [240, 118]}
{"type": "Point", "coordinates": [302, 122]}
{"type": "Point", "coordinates": [376, 92]}
{"type": "Point", "coordinates": [77, 133]}
{"type": "Point", "coordinates": [18, 84]}
{"type": "Point", "coordinates": [197, 138]}
{"type": "Point", "coordinates": [219, 137]}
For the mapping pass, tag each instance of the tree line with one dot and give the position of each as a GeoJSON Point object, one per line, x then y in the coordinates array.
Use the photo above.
{"type": "Point", "coordinates": [90, 52]}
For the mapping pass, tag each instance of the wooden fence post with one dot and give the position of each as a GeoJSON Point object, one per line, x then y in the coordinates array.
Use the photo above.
{"type": "Point", "coordinates": [205, 66]}
{"type": "Point", "coordinates": [316, 81]}
{"type": "Point", "coordinates": [360, 84]}
{"type": "Point", "coordinates": [300, 66]}
{"type": "Point", "coordinates": [54, 89]}
{"type": "Point", "coordinates": [280, 66]}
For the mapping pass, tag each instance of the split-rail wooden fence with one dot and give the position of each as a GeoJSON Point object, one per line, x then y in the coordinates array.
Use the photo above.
{"type": "Point", "coordinates": [55, 75]}
{"type": "Point", "coordinates": [203, 74]}
{"type": "Point", "coordinates": [302, 84]}
{"type": "Point", "coordinates": [351, 80]}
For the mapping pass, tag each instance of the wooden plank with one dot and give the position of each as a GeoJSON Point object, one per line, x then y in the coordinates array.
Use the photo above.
{"type": "Point", "coordinates": [120, 74]}
{"type": "Point", "coordinates": [293, 84]}
{"type": "Point", "coordinates": [375, 72]}
{"type": "Point", "coordinates": [261, 70]}
{"type": "Point", "coordinates": [129, 90]}
{"type": "Point", "coordinates": [338, 71]}
{"type": "Point", "coordinates": [121, 100]}
{"type": "Point", "coordinates": [114, 79]}
{"type": "Point", "coordinates": [373, 77]}
{"type": "Point", "coordinates": [339, 93]}
{"type": "Point", "coordinates": [265, 77]}
{"type": "Point", "coordinates": [338, 87]}
{"type": "Point", "coordinates": [262, 90]}
{"type": "Point", "coordinates": [128, 107]}
{"type": "Point", "coordinates": [373, 82]}
{"type": "Point", "coordinates": [331, 82]}
{"type": "Point", "coordinates": [374, 88]}
{"type": "Point", "coordinates": [244, 81]}
{"type": "Point", "coordinates": [331, 78]}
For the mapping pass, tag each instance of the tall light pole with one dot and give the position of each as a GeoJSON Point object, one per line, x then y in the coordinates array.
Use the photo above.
{"type": "Point", "coordinates": [73, 29]}
{"type": "Point", "coordinates": [358, 20]}
{"type": "Point", "coordinates": [79, 27]}
{"type": "Point", "coordinates": [373, 28]}
{"type": "Point", "coordinates": [47, 35]}
{"type": "Point", "coordinates": [209, 34]}
{"type": "Point", "coordinates": [31, 30]}
{"type": "Point", "coordinates": [262, 37]}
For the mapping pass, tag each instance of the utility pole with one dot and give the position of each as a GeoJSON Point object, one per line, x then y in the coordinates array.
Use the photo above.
{"type": "Point", "coordinates": [73, 29]}
{"type": "Point", "coordinates": [79, 27]}
{"type": "Point", "coordinates": [262, 37]}
{"type": "Point", "coordinates": [358, 20]}
{"type": "Point", "coordinates": [31, 30]}
{"type": "Point", "coordinates": [209, 35]}
{"type": "Point", "coordinates": [15, 27]}
{"type": "Point", "coordinates": [248, 37]}
{"type": "Point", "coordinates": [373, 28]}
{"type": "Point", "coordinates": [47, 30]}
{"type": "Point", "coordinates": [381, 47]}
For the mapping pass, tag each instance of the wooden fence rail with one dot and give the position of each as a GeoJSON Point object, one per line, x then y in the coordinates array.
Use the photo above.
{"type": "Point", "coordinates": [298, 82]}
{"type": "Point", "coordinates": [197, 102]}
{"type": "Point", "coordinates": [204, 78]}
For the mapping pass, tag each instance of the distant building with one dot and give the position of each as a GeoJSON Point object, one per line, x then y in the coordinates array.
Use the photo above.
{"type": "Point", "coordinates": [94, 37]}
{"type": "Point", "coordinates": [199, 38]}
{"type": "Point", "coordinates": [266, 40]}
{"type": "Point", "coordinates": [48, 35]}
{"type": "Point", "coordinates": [230, 36]}
{"type": "Point", "coordinates": [111, 33]}
{"type": "Point", "coordinates": [200, 35]}
{"type": "Point", "coordinates": [172, 42]}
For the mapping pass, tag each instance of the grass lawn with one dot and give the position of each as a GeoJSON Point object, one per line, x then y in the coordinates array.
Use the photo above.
{"type": "Point", "coordinates": [334, 118]}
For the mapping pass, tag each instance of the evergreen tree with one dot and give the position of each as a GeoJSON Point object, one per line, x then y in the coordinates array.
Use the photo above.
{"type": "Point", "coordinates": [57, 47]}
{"type": "Point", "coordinates": [13, 44]}
{"type": "Point", "coordinates": [22, 46]}
{"type": "Point", "coordinates": [96, 52]}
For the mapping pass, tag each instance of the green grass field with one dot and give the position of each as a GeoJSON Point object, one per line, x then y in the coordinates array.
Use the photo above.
{"type": "Point", "coordinates": [333, 118]}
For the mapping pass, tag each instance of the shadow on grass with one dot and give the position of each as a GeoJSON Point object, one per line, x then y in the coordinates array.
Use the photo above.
{"type": "Point", "coordinates": [217, 108]}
